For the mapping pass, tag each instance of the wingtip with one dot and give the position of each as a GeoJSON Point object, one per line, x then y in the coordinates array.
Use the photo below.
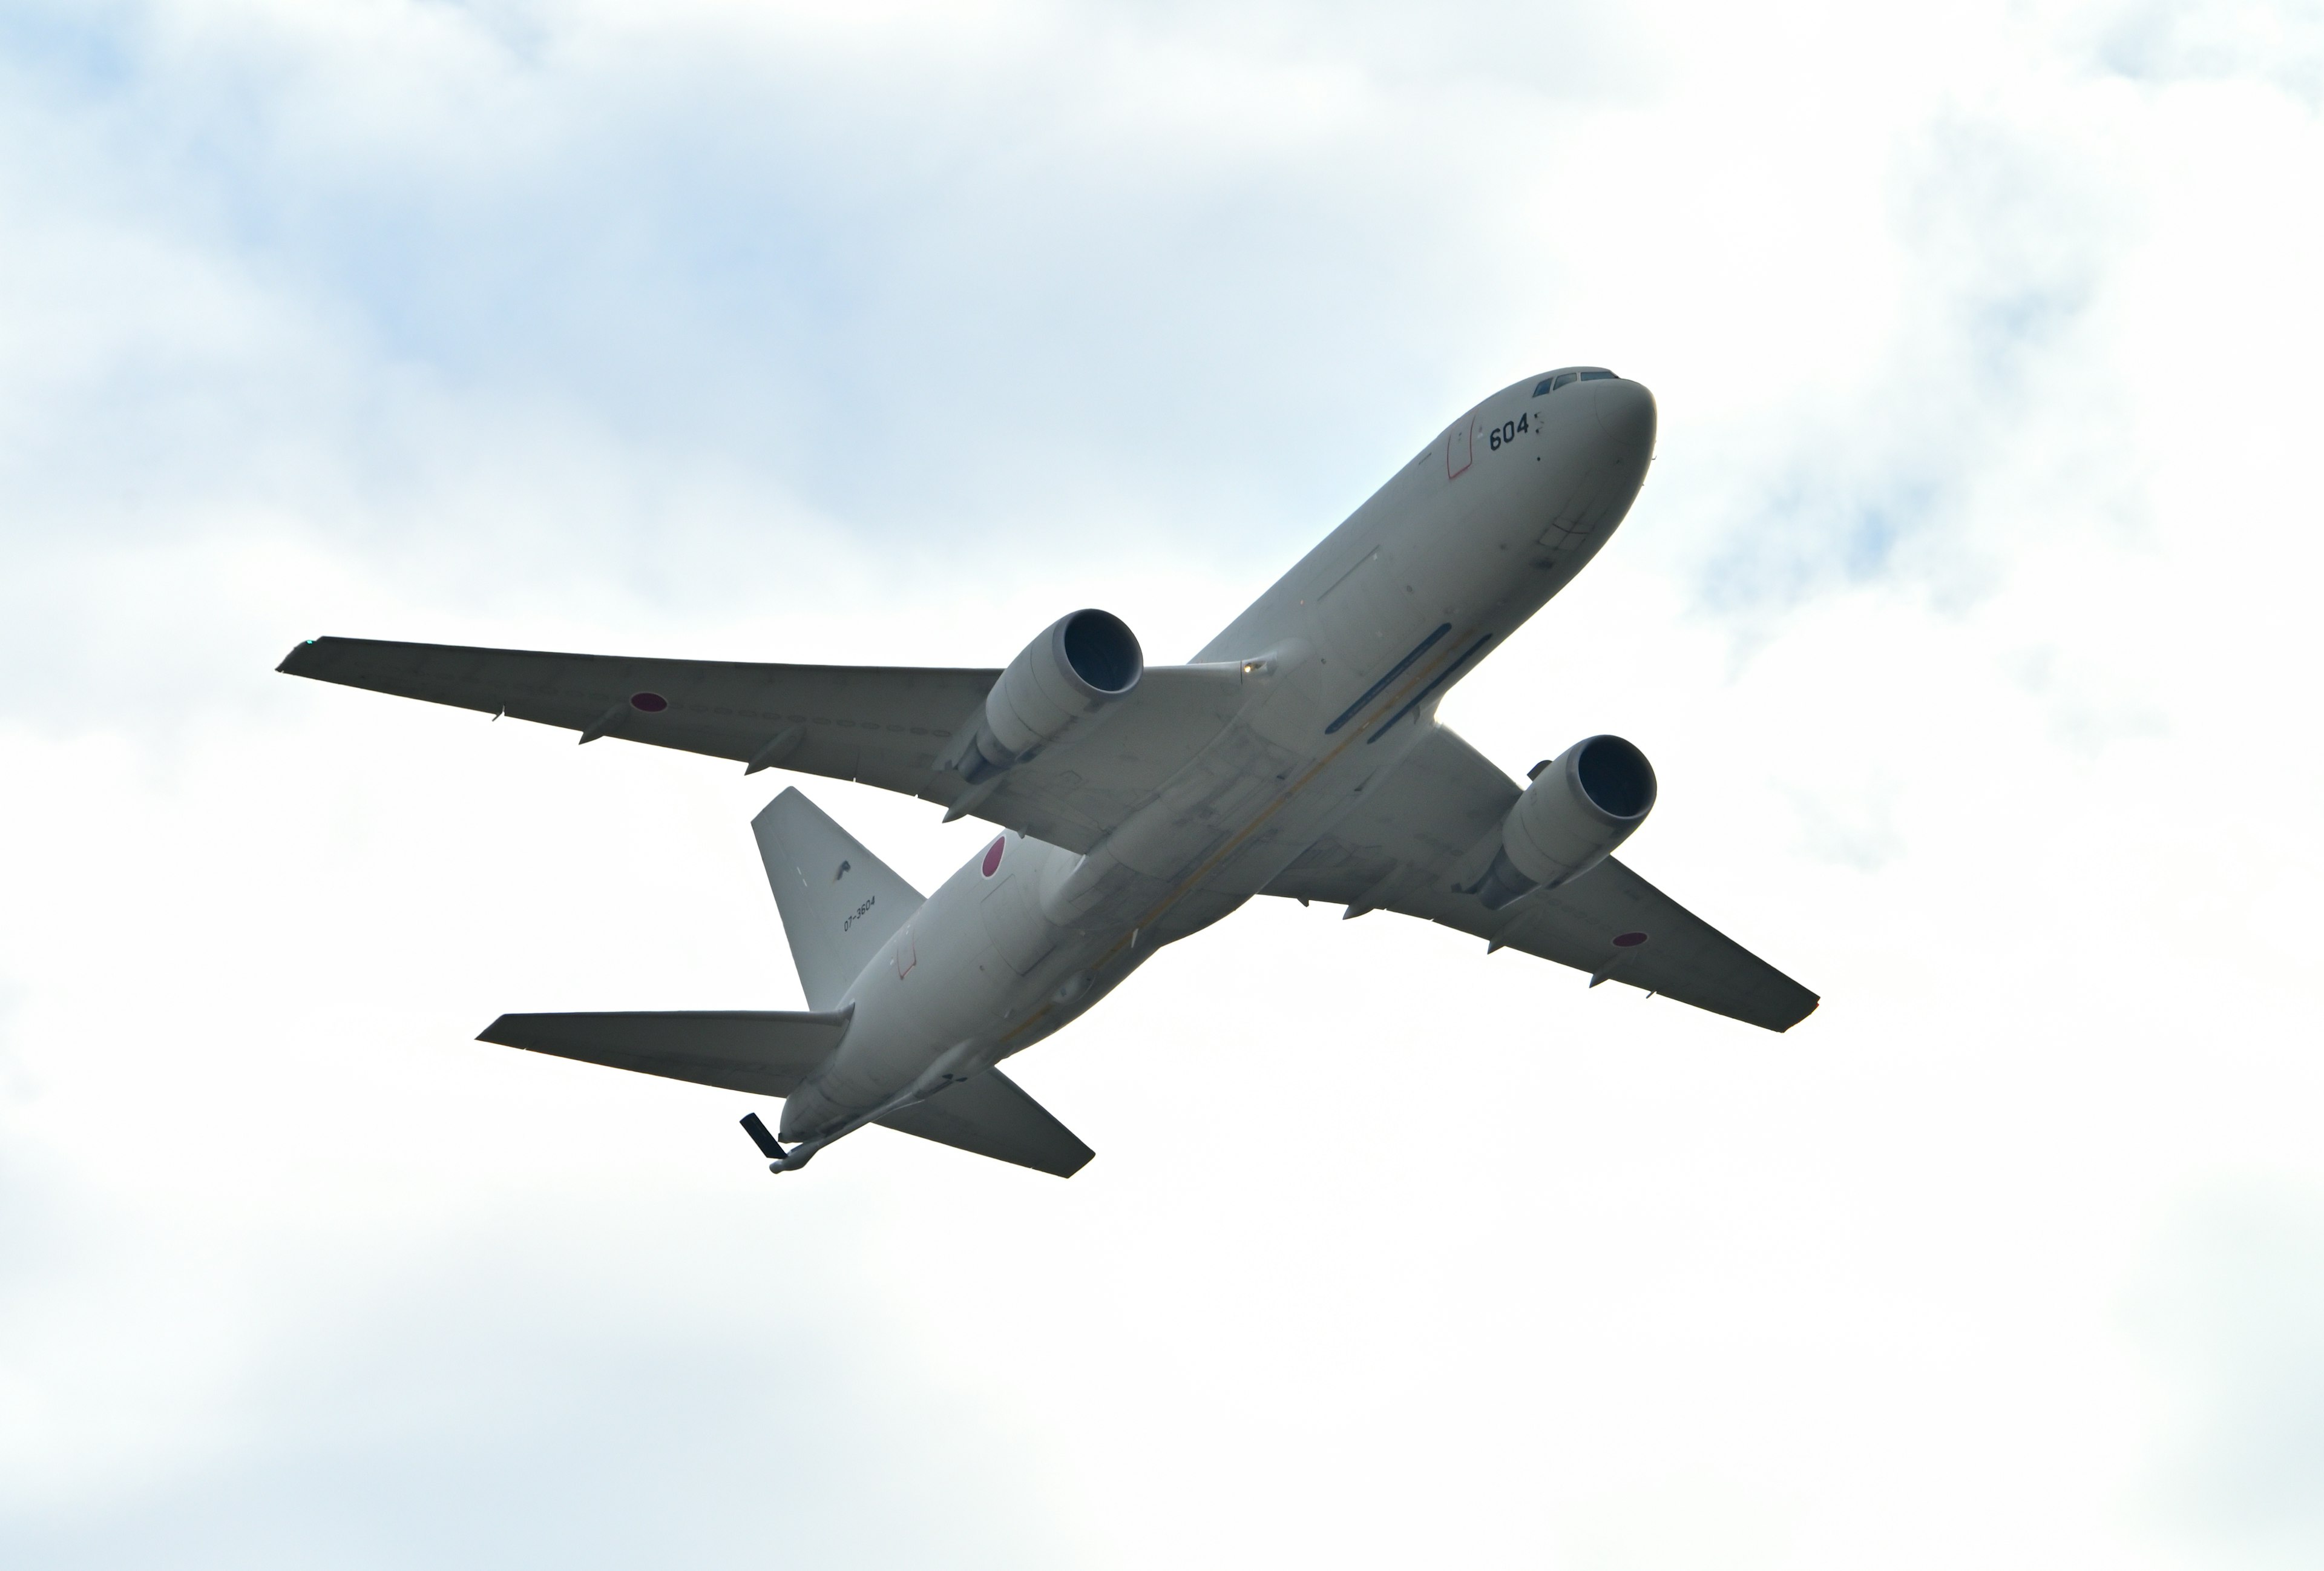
{"type": "Point", "coordinates": [288, 660]}
{"type": "Point", "coordinates": [499, 1025]}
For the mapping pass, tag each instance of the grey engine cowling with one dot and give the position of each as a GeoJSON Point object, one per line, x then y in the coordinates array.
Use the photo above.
{"type": "Point", "coordinates": [1569, 820]}
{"type": "Point", "coordinates": [1082, 663]}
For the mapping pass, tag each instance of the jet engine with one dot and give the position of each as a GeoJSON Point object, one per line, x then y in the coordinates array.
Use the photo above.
{"type": "Point", "coordinates": [1084, 662]}
{"type": "Point", "coordinates": [1579, 808]}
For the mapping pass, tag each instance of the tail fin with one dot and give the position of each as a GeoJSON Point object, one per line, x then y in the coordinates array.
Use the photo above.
{"type": "Point", "coordinates": [840, 903]}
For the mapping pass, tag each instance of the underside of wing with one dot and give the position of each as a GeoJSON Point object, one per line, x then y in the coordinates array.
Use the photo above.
{"type": "Point", "coordinates": [896, 728]}
{"type": "Point", "coordinates": [991, 1115]}
{"type": "Point", "coordinates": [1618, 927]}
{"type": "Point", "coordinates": [886, 725]}
{"type": "Point", "coordinates": [1070, 795]}
{"type": "Point", "coordinates": [1432, 811]}
{"type": "Point", "coordinates": [1423, 835]}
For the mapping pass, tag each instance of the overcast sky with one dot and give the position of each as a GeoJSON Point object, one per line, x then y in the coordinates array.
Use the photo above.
{"type": "Point", "coordinates": [1968, 616]}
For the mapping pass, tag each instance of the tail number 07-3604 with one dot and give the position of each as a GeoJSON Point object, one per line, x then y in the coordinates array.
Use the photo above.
{"type": "Point", "coordinates": [1506, 431]}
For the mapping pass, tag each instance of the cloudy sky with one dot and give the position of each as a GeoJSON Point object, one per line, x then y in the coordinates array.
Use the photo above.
{"type": "Point", "coordinates": [1968, 617]}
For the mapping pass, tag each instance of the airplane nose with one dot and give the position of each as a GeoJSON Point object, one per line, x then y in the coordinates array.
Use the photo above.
{"type": "Point", "coordinates": [1626, 414]}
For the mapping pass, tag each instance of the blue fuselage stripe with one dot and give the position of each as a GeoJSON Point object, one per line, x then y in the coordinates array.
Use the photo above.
{"type": "Point", "coordinates": [1402, 666]}
{"type": "Point", "coordinates": [1443, 677]}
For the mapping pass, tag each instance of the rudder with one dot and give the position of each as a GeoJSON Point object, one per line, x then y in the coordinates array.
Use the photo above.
{"type": "Point", "coordinates": [840, 904]}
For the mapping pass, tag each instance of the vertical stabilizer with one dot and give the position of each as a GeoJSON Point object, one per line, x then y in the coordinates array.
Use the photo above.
{"type": "Point", "coordinates": [840, 903]}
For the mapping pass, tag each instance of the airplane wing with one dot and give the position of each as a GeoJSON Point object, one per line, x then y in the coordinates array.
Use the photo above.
{"type": "Point", "coordinates": [890, 726]}
{"type": "Point", "coordinates": [1418, 832]}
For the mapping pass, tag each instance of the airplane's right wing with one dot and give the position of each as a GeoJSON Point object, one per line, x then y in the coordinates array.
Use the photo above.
{"type": "Point", "coordinates": [891, 726]}
{"type": "Point", "coordinates": [1412, 840]}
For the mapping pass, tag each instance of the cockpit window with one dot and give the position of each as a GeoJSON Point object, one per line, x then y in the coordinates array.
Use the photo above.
{"type": "Point", "coordinates": [1553, 383]}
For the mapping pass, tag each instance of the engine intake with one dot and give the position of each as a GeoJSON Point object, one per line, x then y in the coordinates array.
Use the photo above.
{"type": "Point", "coordinates": [1082, 663]}
{"type": "Point", "coordinates": [1571, 818]}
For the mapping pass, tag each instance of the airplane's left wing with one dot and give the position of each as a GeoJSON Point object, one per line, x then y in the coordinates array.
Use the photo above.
{"type": "Point", "coordinates": [1423, 835]}
{"type": "Point", "coordinates": [890, 727]}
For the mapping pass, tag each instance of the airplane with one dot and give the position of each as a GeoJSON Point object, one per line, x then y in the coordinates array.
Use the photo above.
{"type": "Point", "coordinates": [1296, 756]}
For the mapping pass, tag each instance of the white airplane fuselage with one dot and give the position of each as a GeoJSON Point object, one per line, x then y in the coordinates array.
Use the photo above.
{"type": "Point", "coordinates": [1343, 661]}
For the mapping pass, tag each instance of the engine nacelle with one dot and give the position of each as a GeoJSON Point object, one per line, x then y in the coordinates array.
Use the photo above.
{"type": "Point", "coordinates": [1571, 818]}
{"type": "Point", "coordinates": [1084, 662]}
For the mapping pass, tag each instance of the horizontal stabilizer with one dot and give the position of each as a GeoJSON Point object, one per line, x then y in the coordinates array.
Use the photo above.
{"type": "Point", "coordinates": [992, 1115]}
{"type": "Point", "coordinates": [763, 1052]}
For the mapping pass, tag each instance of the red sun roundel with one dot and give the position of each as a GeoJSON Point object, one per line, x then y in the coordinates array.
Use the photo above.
{"type": "Point", "coordinates": [992, 857]}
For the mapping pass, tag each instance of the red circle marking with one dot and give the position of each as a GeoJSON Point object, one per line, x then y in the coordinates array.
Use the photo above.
{"type": "Point", "coordinates": [1629, 941]}
{"type": "Point", "coordinates": [652, 703]}
{"type": "Point", "coordinates": [992, 857]}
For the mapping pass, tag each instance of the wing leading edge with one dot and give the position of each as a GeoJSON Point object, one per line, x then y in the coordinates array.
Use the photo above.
{"type": "Point", "coordinates": [1402, 850]}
